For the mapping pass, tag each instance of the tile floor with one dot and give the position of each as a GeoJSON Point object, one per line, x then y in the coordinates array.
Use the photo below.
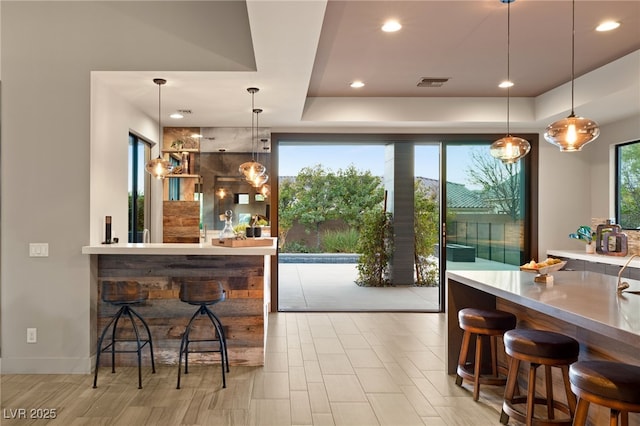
{"type": "Point", "coordinates": [320, 369]}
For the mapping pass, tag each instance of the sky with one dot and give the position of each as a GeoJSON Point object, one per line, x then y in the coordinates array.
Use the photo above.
{"type": "Point", "coordinates": [292, 158]}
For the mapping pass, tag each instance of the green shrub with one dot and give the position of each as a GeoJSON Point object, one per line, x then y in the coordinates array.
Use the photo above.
{"type": "Point", "coordinates": [376, 248]}
{"type": "Point", "coordinates": [343, 241]}
{"type": "Point", "coordinates": [295, 247]}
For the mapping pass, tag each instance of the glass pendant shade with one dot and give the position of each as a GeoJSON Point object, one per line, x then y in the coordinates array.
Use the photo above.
{"type": "Point", "coordinates": [265, 190]}
{"type": "Point", "coordinates": [251, 170]}
{"type": "Point", "coordinates": [510, 149]}
{"type": "Point", "coordinates": [572, 133]}
{"type": "Point", "coordinates": [258, 181]}
{"type": "Point", "coordinates": [158, 168]}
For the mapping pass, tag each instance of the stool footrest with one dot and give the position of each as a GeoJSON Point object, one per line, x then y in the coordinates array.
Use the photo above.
{"type": "Point", "coordinates": [508, 408]}
{"type": "Point", "coordinates": [467, 373]}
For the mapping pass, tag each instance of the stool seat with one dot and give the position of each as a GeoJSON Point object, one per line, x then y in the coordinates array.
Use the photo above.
{"type": "Point", "coordinates": [541, 343]}
{"type": "Point", "coordinates": [123, 292]}
{"type": "Point", "coordinates": [538, 348]}
{"type": "Point", "coordinates": [608, 379]}
{"type": "Point", "coordinates": [198, 292]}
{"type": "Point", "coordinates": [607, 383]}
{"type": "Point", "coordinates": [487, 319]}
{"type": "Point", "coordinates": [487, 324]}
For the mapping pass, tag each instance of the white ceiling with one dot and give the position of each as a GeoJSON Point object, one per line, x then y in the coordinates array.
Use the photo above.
{"type": "Point", "coordinates": [307, 51]}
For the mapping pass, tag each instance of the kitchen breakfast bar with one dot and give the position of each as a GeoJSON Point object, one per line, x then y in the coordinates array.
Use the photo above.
{"type": "Point", "coordinates": [160, 268]}
{"type": "Point", "coordinates": [580, 304]}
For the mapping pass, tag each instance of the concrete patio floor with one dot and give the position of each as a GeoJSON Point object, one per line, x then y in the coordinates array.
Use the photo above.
{"type": "Point", "coordinates": [320, 287]}
{"type": "Point", "coordinates": [332, 287]}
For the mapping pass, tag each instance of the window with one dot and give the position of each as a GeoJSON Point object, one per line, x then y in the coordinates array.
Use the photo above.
{"type": "Point", "coordinates": [139, 182]}
{"type": "Point", "coordinates": [628, 185]}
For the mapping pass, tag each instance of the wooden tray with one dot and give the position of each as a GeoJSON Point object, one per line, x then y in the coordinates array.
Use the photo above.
{"type": "Point", "coordinates": [249, 242]}
{"type": "Point", "coordinates": [545, 270]}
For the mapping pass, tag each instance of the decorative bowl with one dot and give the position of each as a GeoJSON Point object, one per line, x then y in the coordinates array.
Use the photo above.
{"type": "Point", "coordinates": [545, 270]}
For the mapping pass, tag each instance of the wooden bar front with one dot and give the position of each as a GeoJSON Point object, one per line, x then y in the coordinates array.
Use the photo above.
{"type": "Point", "coordinates": [242, 313]}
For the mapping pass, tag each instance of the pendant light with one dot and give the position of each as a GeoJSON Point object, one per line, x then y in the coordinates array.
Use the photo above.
{"type": "Point", "coordinates": [264, 188]}
{"type": "Point", "coordinates": [509, 149]}
{"type": "Point", "coordinates": [572, 133]}
{"type": "Point", "coordinates": [159, 167]}
{"type": "Point", "coordinates": [252, 169]}
{"type": "Point", "coordinates": [258, 180]}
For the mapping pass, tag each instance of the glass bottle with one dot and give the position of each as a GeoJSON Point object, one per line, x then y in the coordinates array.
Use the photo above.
{"type": "Point", "coordinates": [227, 231]}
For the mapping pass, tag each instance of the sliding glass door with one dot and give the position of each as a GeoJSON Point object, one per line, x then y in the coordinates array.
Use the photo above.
{"type": "Point", "coordinates": [486, 222]}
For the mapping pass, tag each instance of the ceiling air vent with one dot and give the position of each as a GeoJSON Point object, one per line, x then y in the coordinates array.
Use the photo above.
{"type": "Point", "coordinates": [432, 82]}
{"type": "Point", "coordinates": [184, 111]}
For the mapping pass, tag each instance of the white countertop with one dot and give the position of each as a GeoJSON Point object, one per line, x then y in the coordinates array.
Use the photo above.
{"type": "Point", "coordinates": [586, 299]}
{"type": "Point", "coordinates": [201, 249]}
{"type": "Point", "coordinates": [599, 258]}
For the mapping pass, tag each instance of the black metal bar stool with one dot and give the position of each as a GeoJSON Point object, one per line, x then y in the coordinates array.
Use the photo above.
{"type": "Point", "coordinates": [203, 294]}
{"type": "Point", "coordinates": [538, 347]}
{"type": "Point", "coordinates": [607, 383]}
{"type": "Point", "coordinates": [484, 324]}
{"type": "Point", "coordinates": [124, 294]}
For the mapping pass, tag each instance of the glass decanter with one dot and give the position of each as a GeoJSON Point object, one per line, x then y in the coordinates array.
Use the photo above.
{"type": "Point", "coordinates": [227, 231]}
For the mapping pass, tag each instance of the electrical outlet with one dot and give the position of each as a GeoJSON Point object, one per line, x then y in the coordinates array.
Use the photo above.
{"type": "Point", "coordinates": [32, 335]}
{"type": "Point", "coordinates": [38, 249]}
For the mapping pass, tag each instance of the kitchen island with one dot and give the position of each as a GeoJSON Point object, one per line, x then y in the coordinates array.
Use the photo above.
{"type": "Point", "coordinates": [583, 305]}
{"type": "Point", "coordinates": [243, 272]}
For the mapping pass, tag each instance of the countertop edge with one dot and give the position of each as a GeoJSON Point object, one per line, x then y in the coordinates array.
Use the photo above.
{"type": "Point", "coordinates": [597, 258]}
{"type": "Point", "coordinates": [201, 249]}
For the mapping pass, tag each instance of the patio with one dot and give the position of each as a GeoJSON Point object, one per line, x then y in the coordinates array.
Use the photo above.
{"type": "Point", "coordinates": [319, 287]}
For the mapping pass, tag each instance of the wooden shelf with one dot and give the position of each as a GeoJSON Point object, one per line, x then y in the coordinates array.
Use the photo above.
{"type": "Point", "coordinates": [183, 176]}
{"type": "Point", "coordinates": [180, 151]}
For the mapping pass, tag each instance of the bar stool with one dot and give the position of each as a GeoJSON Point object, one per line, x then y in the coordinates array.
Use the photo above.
{"type": "Point", "coordinates": [203, 294]}
{"type": "Point", "coordinates": [538, 347]}
{"type": "Point", "coordinates": [610, 384]}
{"type": "Point", "coordinates": [487, 323]}
{"type": "Point", "coordinates": [124, 294]}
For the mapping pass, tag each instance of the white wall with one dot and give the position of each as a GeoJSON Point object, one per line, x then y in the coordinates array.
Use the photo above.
{"type": "Point", "coordinates": [49, 50]}
{"type": "Point", "coordinates": [112, 118]}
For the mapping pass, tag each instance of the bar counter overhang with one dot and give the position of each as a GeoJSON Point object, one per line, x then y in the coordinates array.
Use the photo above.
{"type": "Point", "coordinates": [159, 267]}
{"type": "Point", "coordinates": [583, 305]}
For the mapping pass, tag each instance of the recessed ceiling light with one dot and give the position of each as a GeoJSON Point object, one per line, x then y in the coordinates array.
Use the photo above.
{"type": "Point", "coordinates": [505, 84]}
{"type": "Point", "coordinates": [357, 84]}
{"type": "Point", "coordinates": [176, 115]}
{"type": "Point", "coordinates": [391, 26]}
{"type": "Point", "coordinates": [608, 26]}
{"type": "Point", "coordinates": [196, 136]}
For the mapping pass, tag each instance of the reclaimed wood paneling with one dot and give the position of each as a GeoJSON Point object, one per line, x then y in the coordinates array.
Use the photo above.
{"type": "Point", "coordinates": [181, 221]}
{"type": "Point", "coordinates": [242, 313]}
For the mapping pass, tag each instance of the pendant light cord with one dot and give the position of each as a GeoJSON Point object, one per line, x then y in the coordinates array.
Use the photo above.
{"type": "Point", "coordinates": [508, 66]}
{"type": "Point", "coordinates": [573, 49]}
{"type": "Point", "coordinates": [159, 115]}
{"type": "Point", "coordinates": [253, 157]}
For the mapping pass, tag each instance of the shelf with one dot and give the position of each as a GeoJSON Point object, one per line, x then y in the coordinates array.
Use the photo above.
{"type": "Point", "coordinates": [183, 176]}
{"type": "Point", "coordinates": [180, 151]}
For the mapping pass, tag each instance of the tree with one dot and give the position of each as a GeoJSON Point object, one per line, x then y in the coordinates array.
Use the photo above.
{"type": "Point", "coordinates": [426, 233]}
{"type": "Point", "coordinates": [355, 192]}
{"type": "Point", "coordinates": [629, 189]}
{"type": "Point", "coordinates": [286, 213]}
{"type": "Point", "coordinates": [314, 203]}
{"type": "Point", "coordinates": [500, 182]}
{"type": "Point", "coordinates": [318, 195]}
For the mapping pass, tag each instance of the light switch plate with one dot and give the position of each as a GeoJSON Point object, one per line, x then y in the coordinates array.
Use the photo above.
{"type": "Point", "coordinates": [38, 249]}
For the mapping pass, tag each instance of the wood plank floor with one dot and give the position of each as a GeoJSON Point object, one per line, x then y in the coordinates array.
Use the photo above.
{"type": "Point", "coordinates": [321, 369]}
